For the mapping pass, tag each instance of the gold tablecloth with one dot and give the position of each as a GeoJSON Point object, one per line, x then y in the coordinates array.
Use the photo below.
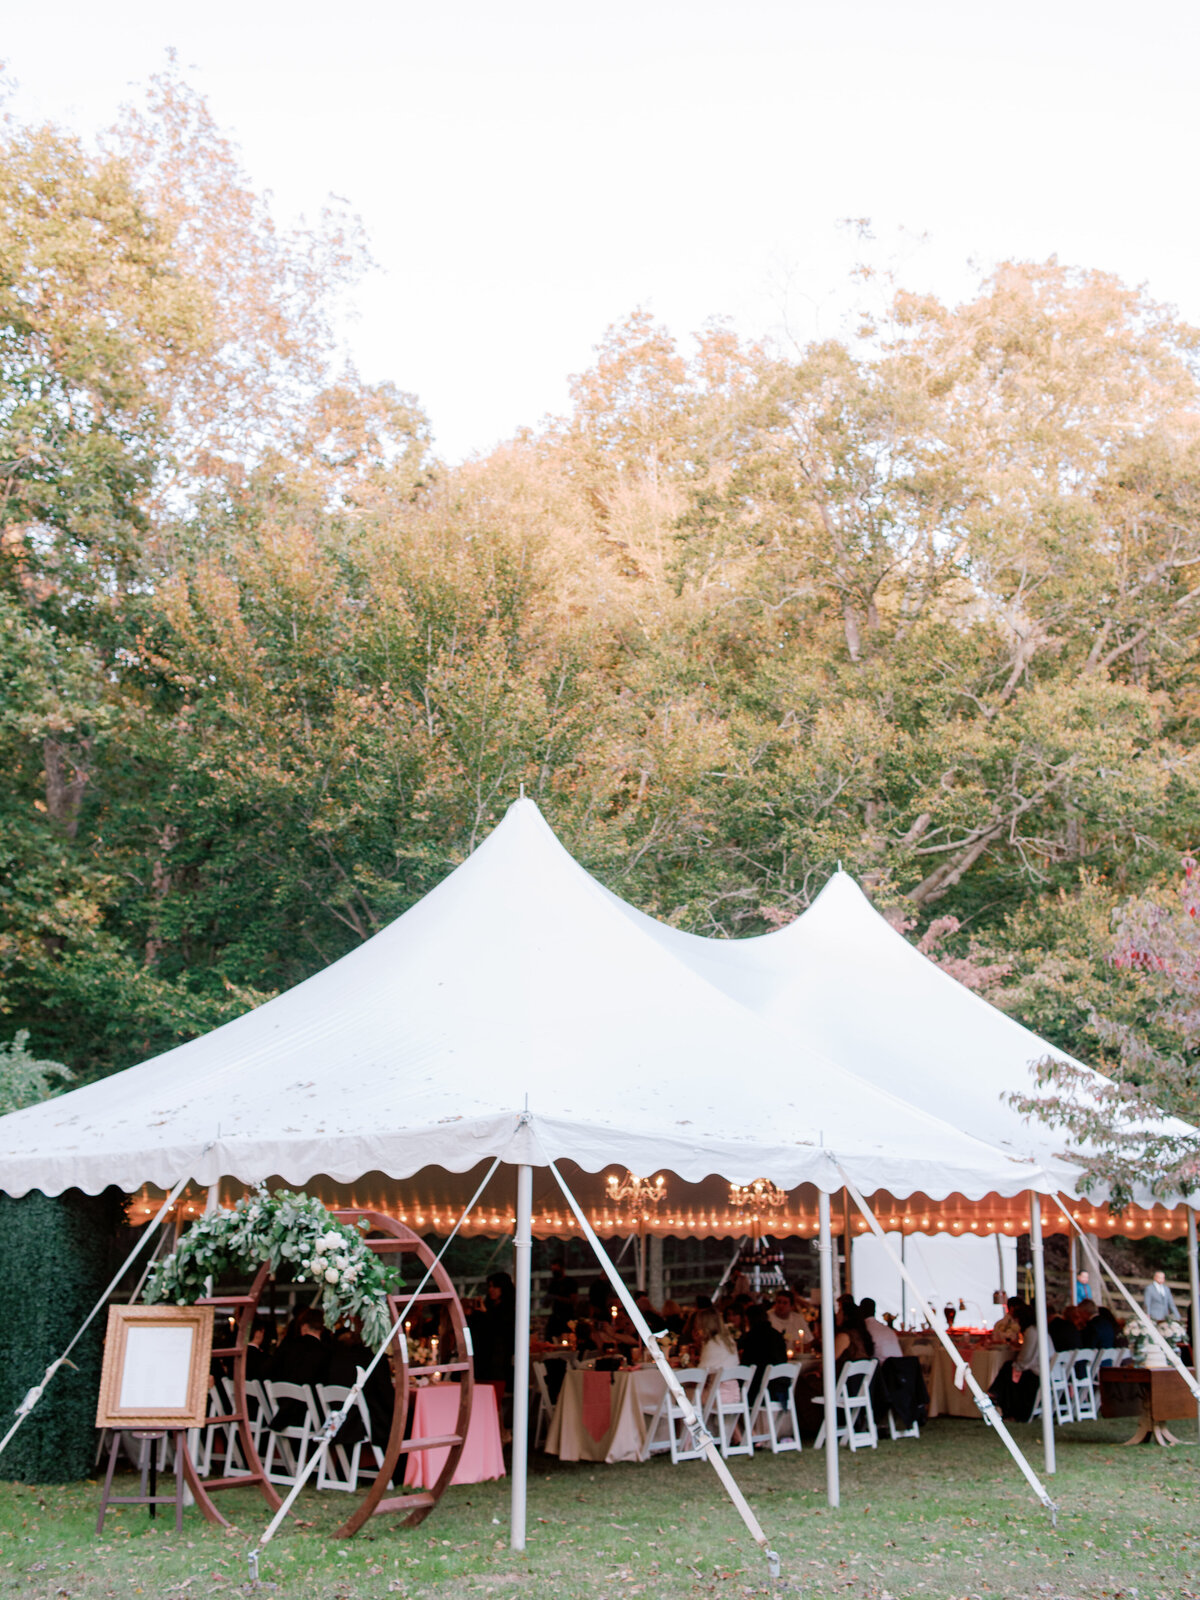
{"type": "Point", "coordinates": [944, 1399]}
{"type": "Point", "coordinates": [575, 1433]}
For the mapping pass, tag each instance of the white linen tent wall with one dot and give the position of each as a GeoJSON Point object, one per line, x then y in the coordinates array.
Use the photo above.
{"type": "Point", "coordinates": [516, 1011]}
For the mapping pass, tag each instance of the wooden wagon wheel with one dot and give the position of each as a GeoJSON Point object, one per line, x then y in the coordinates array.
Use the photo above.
{"type": "Point", "coordinates": [386, 1237]}
{"type": "Point", "coordinates": [243, 1306]}
{"type": "Point", "coordinates": [391, 1238]}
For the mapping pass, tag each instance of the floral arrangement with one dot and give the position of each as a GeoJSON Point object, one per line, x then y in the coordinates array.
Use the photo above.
{"type": "Point", "coordinates": [1142, 1346]}
{"type": "Point", "coordinates": [282, 1229]}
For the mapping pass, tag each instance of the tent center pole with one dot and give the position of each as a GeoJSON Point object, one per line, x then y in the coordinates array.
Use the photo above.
{"type": "Point", "coordinates": [1043, 1332]}
{"type": "Point", "coordinates": [828, 1335]}
{"type": "Point", "coordinates": [1194, 1283]}
{"type": "Point", "coordinates": [523, 1250]}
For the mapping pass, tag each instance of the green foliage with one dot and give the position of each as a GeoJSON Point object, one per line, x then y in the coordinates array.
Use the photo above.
{"type": "Point", "coordinates": [268, 671]}
{"type": "Point", "coordinates": [1147, 1026]}
{"type": "Point", "coordinates": [55, 1262]}
{"type": "Point", "coordinates": [24, 1080]}
{"type": "Point", "coordinates": [292, 1232]}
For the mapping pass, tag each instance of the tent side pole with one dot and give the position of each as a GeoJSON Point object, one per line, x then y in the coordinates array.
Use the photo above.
{"type": "Point", "coordinates": [523, 1250]}
{"type": "Point", "coordinates": [1194, 1282]}
{"type": "Point", "coordinates": [964, 1377]}
{"type": "Point", "coordinates": [828, 1335]}
{"type": "Point", "coordinates": [1043, 1332]}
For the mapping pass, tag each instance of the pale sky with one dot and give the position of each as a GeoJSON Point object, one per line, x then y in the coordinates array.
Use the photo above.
{"type": "Point", "coordinates": [529, 172]}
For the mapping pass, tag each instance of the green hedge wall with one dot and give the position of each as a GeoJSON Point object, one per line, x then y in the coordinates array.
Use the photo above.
{"type": "Point", "coordinates": [56, 1257]}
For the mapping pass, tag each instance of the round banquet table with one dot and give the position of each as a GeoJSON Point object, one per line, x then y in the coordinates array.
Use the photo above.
{"type": "Point", "coordinates": [435, 1413]}
{"type": "Point", "coordinates": [600, 1416]}
{"type": "Point", "coordinates": [945, 1400]}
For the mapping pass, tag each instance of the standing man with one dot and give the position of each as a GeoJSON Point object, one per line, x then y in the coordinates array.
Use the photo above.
{"type": "Point", "coordinates": [1159, 1301]}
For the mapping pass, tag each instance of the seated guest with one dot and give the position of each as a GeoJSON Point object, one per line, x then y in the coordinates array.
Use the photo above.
{"type": "Point", "coordinates": [1009, 1325]}
{"type": "Point", "coordinates": [701, 1303]}
{"type": "Point", "coordinates": [1016, 1385]}
{"type": "Point", "coordinates": [887, 1345]}
{"type": "Point", "coordinates": [786, 1319]}
{"type": "Point", "coordinates": [560, 1292]}
{"type": "Point", "coordinates": [347, 1353]}
{"type": "Point", "coordinates": [762, 1346]}
{"type": "Point", "coordinates": [1064, 1335]}
{"type": "Point", "coordinates": [717, 1346]}
{"type": "Point", "coordinates": [258, 1352]}
{"type": "Point", "coordinates": [852, 1341]}
{"type": "Point", "coordinates": [493, 1332]}
{"type": "Point", "coordinates": [300, 1359]}
{"type": "Point", "coordinates": [1101, 1331]}
{"type": "Point", "coordinates": [672, 1315]}
{"type": "Point", "coordinates": [654, 1319]}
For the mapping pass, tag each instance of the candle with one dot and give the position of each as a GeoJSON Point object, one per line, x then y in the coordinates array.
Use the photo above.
{"type": "Point", "coordinates": [433, 1344]}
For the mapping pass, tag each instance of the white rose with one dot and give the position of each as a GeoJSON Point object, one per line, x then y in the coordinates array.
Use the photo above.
{"type": "Point", "coordinates": [319, 1248]}
{"type": "Point", "coordinates": [332, 1241]}
{"type": "Point", "coordinates": [341, 1263]}
{"type": "Point", "coordinates": [332, 1275]}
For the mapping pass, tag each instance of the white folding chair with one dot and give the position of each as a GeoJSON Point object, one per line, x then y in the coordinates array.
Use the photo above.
{"type": "Point", "coordinates": [221, 1403]}
{"type": "Point", "coordinates": [1060, 1389]}
{"type": "Point", "coordinates": [728, 1405]}
{"type": "Point", "coordinates": [332, 1397]}
{"type": "Point", "coordinates": [1085, 1397]}
{"type": "Point", "coordinates": [667, 1428]}
{"type": "Point", "coordinates": [855, 1422]}
{"type": "Point", "coordinates": [545, 1404]}
{"type": "Point", "coordinates": [294, 1442]}
{"type": "Point", "coordinates": [773, 1423]}
{"type": "Point", "coordinates": [258, 1410]}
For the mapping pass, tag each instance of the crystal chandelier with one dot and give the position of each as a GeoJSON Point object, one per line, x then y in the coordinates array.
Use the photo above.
{"type": "Point", "coordinates": [761, 1195]}
{"type": "Point", "coordinates": [638, 1195]}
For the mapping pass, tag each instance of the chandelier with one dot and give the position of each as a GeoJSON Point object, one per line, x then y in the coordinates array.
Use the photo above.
{"type": "Point", "coordinates": [641, 1195]}
{"type": "Point", "coordinates": [761, 1195]}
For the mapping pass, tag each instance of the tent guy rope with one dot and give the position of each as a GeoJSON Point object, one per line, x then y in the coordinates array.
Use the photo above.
{"type": "Point", "coordinates": [963, 1373]}
{"type": "Point", "coordinates": [699, 1432]}
{"type": "Point", "coordinates": [325, 1435]}
{"type": "Point", "coordinates": [1140, 1312]}
{"type": "Point", "coordinates": [35, 1394]}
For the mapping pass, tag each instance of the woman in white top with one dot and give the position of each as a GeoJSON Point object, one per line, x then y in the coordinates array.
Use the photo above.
{"type": "Point", "coordinates": [718, 1347]}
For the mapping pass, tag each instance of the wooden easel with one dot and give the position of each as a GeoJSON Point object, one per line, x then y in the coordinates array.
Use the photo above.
{"type": "Point", "coordinates": [149, 1495]}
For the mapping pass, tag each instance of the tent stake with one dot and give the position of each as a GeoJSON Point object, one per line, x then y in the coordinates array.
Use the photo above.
{"type": "Point", "coordinates": [1043, 1327]}
{"type": "Point", "coordinates": [962, 1369]}
{"type": "Point", "coordinates": [693, 1423]}
{"type": "Point", "coordinates": [523, 1249]}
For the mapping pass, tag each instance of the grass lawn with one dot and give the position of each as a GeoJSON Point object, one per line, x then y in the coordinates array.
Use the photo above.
{"type": "Point", "coordinates": [945, 1516]}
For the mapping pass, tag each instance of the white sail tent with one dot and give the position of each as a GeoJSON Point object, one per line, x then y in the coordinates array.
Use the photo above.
{"type": "Point", "coordinates": [522, 1013]}
{"type": "Point", "coordinates": [516, 1011]}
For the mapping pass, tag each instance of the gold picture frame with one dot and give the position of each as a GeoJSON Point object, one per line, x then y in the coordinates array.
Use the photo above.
{"type": "Point", "coordinates": [156, 1367]}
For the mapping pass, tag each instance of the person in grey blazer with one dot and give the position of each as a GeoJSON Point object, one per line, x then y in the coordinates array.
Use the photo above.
{"type": "Point", "coordinates": [1159, 1301]}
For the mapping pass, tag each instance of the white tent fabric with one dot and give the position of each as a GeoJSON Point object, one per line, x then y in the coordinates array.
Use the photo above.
{"type": "Point", "coordinates": [948, 1270]}
{"type": "Point", "coordinates": [842, 978]}
{"type": "Point", "coordinates": [518, 1011]}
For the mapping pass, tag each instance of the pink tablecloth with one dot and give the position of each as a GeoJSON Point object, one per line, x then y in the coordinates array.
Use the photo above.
{"type": "Point", "coordinates": [435, 1413]}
